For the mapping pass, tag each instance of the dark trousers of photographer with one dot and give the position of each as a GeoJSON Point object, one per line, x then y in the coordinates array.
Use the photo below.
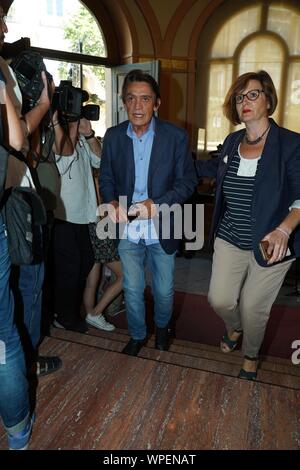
{"type": "Point", "coordinates": [73, 260]}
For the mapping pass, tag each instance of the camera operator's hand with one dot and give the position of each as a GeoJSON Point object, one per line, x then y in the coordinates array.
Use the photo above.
{"type": "Point", "coordinates": [85, 127]}
{"type": "Point", "coordinates": [44, 98]}
{"type": "Point", "coordinates": [35, 115]}
{"type": "Point", "coordinates": [51, 89]}
{"type": "Point", "coordinates": [55, 119]}
{"type": "Point", "coordinates": [64, 141]}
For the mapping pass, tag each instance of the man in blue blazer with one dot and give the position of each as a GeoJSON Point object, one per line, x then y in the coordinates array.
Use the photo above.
{"type": "Point", "coordinates": [147, 163]}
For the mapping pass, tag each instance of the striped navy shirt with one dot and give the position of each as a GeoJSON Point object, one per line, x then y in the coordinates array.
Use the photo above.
{"type": "Point", "coordinates": [238, 187]}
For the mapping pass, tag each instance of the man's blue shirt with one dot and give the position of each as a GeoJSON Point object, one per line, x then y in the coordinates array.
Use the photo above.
{"type": "Point", "coordinates": [142, 147]}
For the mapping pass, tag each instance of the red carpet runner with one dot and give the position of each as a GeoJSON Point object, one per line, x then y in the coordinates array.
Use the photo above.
{"type": "Point", "coordinates": [194, 320]}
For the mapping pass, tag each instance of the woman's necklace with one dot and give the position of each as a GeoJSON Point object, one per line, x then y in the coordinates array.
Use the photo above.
{"type": "Point", "coordinates": [256, 141]}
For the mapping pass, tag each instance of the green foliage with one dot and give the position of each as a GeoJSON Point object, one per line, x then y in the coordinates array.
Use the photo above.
{"type": "Point", "coordinates": [82, 28]}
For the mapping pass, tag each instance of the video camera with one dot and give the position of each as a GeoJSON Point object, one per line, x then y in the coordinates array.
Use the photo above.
{"type": "Point", "coordinates": [28, 66]}
{"type": "Point", "coordinates": [68, 101]}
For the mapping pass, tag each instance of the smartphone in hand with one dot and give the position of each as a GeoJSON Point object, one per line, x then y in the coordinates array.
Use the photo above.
{"type": "Point", "coordinates": [132, 217]}
{"type": "Point", "coordinates": [263, 246]}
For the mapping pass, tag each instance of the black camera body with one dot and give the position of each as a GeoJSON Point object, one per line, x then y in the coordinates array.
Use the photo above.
{"type": "Point", "coordinates": [68, 101]}
{"type": "Point", "coordinates": [28, 66]}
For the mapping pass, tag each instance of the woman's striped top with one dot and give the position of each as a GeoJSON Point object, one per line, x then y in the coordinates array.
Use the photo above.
{"type": "Point", "coordinates": [238, 187]}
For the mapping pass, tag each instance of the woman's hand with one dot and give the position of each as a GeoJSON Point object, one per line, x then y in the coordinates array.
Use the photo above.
{"type": "Point", "coordinates": [278, 245]}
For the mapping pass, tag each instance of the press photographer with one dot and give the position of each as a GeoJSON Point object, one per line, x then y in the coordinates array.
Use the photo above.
{"type": "Point", "coordinates": [27, 279]}
{"type": "Point", "coordinates": [27, 284]}
{"type": "Point", "coordinates": [69, 145]}
{"type": "Point", "coordinates": [76, 150]}
{"type": "Point", "coordinates": [14, 397]}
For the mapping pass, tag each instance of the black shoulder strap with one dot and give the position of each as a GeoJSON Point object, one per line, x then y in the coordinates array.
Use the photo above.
{"type": "Point", "coordinates": [48, 138]}
{"type": "Point", "coordinates": [36, 181]}
{"type": "Point", "coordinates": [3, 168]}
{"type": "Point", "coordinates": [3, 158]}
{"type": "Point", "coordinates": [20, 156]}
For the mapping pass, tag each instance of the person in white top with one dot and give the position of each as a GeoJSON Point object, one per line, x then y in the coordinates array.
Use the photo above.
{"type": "Point", "coordinates": [76, 150]}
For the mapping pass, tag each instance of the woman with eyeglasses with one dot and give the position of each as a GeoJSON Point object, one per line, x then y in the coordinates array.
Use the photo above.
{"type": "Point", "coordinates": [256, 217]}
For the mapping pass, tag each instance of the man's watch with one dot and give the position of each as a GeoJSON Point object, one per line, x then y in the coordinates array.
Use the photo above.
{"type": "Point", "coordinates": [92, 134]}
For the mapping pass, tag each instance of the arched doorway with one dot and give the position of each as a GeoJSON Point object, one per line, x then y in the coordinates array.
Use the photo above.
{"type": "Point", "coordinates": [69, 36]}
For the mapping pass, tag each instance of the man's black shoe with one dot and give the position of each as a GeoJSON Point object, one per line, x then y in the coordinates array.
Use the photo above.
{"type": "Point", "coordinates": [133, 347]}
{"type": "Point", "coordinates": [44, 365]}
{"type": "Point", "coordinates": [48, 364]}
{"type": "Point", "coordinates": [162, 338]}
{"type": "Point", "coordinates": [189, 254]}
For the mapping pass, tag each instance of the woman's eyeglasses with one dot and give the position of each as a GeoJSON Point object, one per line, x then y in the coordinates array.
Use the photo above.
{"type": "Point", "coordinates": [252, 95]}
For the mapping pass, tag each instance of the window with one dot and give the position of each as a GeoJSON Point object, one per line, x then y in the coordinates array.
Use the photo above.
{"type": "Point", "coordinates": [59, 8]}
{"type": "Point", "coordinates": [56, 36]}
{"type": "Point", "coordinates": [49, 7]}
{"type": "Point", "coordinates": [55, 7]}
{"type": "Point", "coordinates": [53, 31]}
{"type": "Point", "coordinates": [265, 36]}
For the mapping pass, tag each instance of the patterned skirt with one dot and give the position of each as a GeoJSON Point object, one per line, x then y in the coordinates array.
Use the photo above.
{"type": "Point", "coordinates": [105, 251]}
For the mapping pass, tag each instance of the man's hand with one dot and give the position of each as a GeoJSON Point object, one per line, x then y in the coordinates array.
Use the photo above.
{"type": "Point", "coordinates": [114, 210]}
{"type": "Point", "coordinates": [143, 209]}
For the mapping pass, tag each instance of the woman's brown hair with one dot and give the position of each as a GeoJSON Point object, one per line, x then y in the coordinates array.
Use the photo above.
{"type": "Point", "coordinates": [229, 106]}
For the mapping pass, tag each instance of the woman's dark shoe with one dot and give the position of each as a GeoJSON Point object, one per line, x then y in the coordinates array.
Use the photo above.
{"type": "Point", "coordinates": [227, 345]}
{"type": "Point", "coordinates": [249, 374]}
{"type": "Point", "coordinates": [244, 374]}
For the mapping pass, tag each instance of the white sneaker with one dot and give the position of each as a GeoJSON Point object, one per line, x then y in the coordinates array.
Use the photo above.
{"type": "Point", "coordinates": [98, 321]}
{"type": "Point", "coordinates": [58, 325]}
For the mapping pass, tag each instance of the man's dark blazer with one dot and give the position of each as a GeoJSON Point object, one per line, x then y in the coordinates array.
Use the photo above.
{"type": "Point", "coordinates": [277, 184]}
{"type": "Point", "coordinates": [171, 177]}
